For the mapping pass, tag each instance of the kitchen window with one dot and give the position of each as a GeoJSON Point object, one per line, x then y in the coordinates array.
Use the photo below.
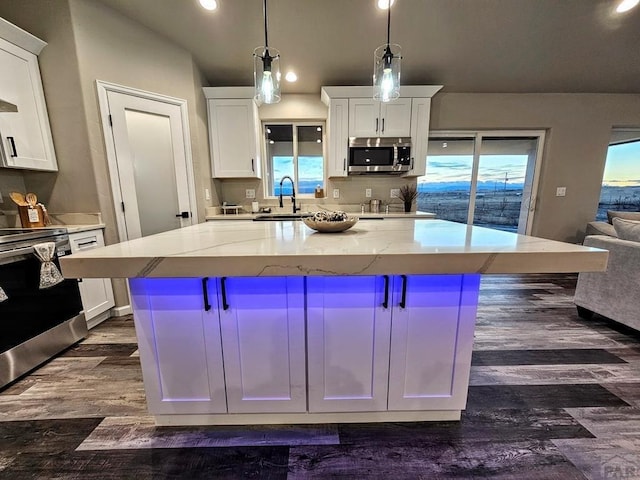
{"type": "Point", "coordinates": [295, 150]}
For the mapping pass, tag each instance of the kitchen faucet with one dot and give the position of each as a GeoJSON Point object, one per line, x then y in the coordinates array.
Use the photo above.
{"type": "Point", "coordinates": [293, 193]}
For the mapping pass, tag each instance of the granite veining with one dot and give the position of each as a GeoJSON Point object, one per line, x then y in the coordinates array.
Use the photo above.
{"type": "Point", "coordinates": [369, 248]}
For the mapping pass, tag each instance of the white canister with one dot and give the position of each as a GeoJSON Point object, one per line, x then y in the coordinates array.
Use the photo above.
{"type": "Point", "coordinates": [255, 207]}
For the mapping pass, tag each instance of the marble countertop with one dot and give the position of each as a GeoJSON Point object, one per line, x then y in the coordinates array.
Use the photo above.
{"type": "Point", "coordinates": [393, 246]}
{"type": "Point", "coordinates": [251, 216]}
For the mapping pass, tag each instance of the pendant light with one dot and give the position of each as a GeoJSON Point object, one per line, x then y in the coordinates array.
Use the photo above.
{"type": "Point", "coordinates": [266, 69]}
{"type": "Point", "coordinates": [386, 68]}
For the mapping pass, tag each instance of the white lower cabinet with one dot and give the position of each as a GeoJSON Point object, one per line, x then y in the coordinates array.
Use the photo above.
{"type": "Point", "coordinates": [180, 346]}
{"type": "Point", "coordinates": [433, 320]}
{"type": "Point", "coordinates": [96, 293]}
{"type": "Point", "coordinates": [263, 342]}
{"type": "Point", "coordinates": [307, 346]}
{"type": "Point", "coordinates": [348, 344]}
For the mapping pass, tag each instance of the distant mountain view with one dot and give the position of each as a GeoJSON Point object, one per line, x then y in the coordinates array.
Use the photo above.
{"type": "Point", "coordinates": [465, 186]}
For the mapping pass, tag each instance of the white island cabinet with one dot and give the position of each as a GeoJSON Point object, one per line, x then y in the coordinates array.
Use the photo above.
{"type": "Point", "coordinates": [25, 135]}
{"type": "Point", "coordinates": [271, 322]}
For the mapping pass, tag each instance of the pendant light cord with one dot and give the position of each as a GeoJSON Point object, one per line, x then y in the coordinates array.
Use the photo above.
{"type": "Point", "coordinates": [388, 23]}
{"type": "Point", "coordinates": [266, 41]}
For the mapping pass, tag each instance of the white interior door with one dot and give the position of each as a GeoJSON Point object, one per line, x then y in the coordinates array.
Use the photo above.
{"type": "Point", "coordinates": [152, 154]}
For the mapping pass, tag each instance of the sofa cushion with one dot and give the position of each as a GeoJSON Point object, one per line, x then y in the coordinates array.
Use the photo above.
{"type": "Point", "coordinates": [600, 228]}
{"type": "Point", "coordinates": [611, 214]}
{"type": "Point", "coordinates": [627, 229]}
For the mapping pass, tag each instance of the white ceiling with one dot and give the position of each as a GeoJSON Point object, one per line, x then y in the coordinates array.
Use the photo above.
{"type": "Point", "coordinates": [466, 45]}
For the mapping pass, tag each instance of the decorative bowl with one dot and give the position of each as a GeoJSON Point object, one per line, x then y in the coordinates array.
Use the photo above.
{"type": "Point", "coordinates": [330, 226]}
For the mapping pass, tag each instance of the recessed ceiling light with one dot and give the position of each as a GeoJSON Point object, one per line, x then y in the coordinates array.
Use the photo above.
{"type": "Point", "coordinates": [626, 5]}
{"type": "Point", "coordinates": [319, 129]}
{"type": "Point", "coordinates": [209, 4]}
{"type": "Point", "coordinates": [319, 141]}
{"type": "Point", "coordinates": [272, 142]}
{"type": "Point", "coordinates": [291, 77]}
{"type": "Point", "coordinates": [384, 4]}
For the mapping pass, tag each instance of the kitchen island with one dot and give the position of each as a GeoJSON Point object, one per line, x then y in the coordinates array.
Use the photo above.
{"type": "Point", "coordinates": [271, 322]}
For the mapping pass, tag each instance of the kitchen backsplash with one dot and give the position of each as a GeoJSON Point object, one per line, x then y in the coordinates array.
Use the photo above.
{"type": "Point", "coordinates": [352, 191]}
{"type": "Point", "coordinates": [10, 181]}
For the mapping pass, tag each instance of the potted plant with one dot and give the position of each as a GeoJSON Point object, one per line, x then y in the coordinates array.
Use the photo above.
{"type": "Point", "coordinates": [408, 193]}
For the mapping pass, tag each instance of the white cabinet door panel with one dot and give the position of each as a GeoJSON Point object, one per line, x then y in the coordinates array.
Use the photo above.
{"type": "Point", "coordinates": [233, 137]}
{"type": "Point", "coordinates": [420, 108]}
{"type": "Point", "coordinates": [264, 344]}
{"type": "Point", "coordinates": [180, 346]}
{"type": "Point", "coordinates": [25, 134]}
{"type": "Point", "coordinates": [395, 118]}
{"type": "Point", "coordinates": [348, 344]}
{"type": "Point", "coordinates": [431, 341]}
{"type": "Point", "coordinates": [338, 137]}
{"type": "Point", "coordinates": [96, 293]}
{"type": "Point", "coordinates": [364, 118]}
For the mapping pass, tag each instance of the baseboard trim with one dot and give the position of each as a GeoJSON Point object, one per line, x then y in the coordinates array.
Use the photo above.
{"type": "Point", "coordinates": [120, 311]}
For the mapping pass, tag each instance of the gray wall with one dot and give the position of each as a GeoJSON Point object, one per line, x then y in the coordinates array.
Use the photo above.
{"type": "Point", "coordinates": [88, 41]}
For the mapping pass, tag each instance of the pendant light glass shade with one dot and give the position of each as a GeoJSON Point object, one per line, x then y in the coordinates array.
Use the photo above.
{"type": "Point", "coordinates": [266, 68]}
{"type": "Point", "coordinates": [266, 74]}
{"type": "Point", "coordinates": [386, 67]}
{"type": "Point", "coordinates": [386, 72]}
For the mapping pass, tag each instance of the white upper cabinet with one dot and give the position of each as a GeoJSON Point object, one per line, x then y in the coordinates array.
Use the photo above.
{"type": "Point", "coordinates": [338, 128]}
{"type": "Point", "coordinates": [370, 118]}
{"type": "Point", "coordinates": [354, 113]}
{"type": "Point", "coordinates": [25, 135]}
{"type": "Point", "coordinates": [234, 132]}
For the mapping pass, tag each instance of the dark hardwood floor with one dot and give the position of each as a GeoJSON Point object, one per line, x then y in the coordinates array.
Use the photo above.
{"type": "Point", "coordinates": [552, 396]}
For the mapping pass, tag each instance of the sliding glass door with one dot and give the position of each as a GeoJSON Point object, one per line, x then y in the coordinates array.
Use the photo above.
{"type": "Point", "coordinates": [487, 179]}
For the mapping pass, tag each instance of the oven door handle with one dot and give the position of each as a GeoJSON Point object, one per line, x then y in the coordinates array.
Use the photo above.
{"type": "Point", "coordinates": [18, 252]}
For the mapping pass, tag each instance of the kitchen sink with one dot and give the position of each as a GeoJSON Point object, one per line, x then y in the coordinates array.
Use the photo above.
{"type": "Point", "coordinates": [275, 217]}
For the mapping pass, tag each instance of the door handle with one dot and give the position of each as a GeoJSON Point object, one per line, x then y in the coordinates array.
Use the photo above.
{"type": "Point", "coordinates": [377, 120]}
{"type": "Point", "coordinates": [383, 125]}
{"type": "Point", "coordinates": [403, 300]}
{"type": "Point", "coordinates": [253, 169]}
{"type": "Point", "coordinates": [223, 290]}
{"type": "Point", "coordinates": [344, 164]}
{"type": "Point", "coordinates": [182, 215]}
{"type": "Point", "coordinates": [14, 152]}
{"type": "Point", "coordinates": [205, 294]}
{"type": "Point", "coordinates": [385, 303]}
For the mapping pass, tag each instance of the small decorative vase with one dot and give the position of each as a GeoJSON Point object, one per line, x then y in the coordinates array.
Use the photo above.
{"type": "Point", "coordinates": [407, 206]}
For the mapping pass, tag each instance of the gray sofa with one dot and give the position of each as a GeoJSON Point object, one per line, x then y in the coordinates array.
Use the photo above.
{"type": "Point", "coordinates": [614, 294]}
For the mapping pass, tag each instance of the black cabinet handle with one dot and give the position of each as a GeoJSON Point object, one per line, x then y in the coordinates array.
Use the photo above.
{"type": "Point", "coordinates": [344, 164]}
{"type": "Point", "coordinates": [385, 303]}
{"type": "Point", "coordinates": [403, 300]}
{"type": "Point", "coordinates": [205, 294]}
{"type": "Point", "coordinates": [14, 152]}
{"type": "Point", "coordinates": [182, 215]}
{"type": "Point", "coordinates": [253, 169]}
{"type": "Point", "coordinates": [383, 125]}
{"type": "Point", "coordinates": [223, 289]}
{"type": "Point", "coordinates": [377, 120]}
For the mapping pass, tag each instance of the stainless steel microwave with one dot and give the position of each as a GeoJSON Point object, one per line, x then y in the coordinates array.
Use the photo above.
{"type": "Point", "coordinates": [391, 156]}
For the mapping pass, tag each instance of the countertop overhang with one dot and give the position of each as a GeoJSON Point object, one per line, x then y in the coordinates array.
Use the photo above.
{"type": "Point", "coordinates": [290, 248]}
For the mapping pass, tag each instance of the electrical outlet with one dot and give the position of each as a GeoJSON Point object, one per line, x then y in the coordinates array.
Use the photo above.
{"type": "Point", "coordinates": [250, 193]}
{"type": "Point", "coordinates": [367, 192]}
{"type": "Point", "coordinates": [561, 191]}
{"type": "Point", "coordinates": [394, 193]}
{"type": "Point", "coordinates": [207, 194]}
{"type": "Point", "coordinates": [336, 193]}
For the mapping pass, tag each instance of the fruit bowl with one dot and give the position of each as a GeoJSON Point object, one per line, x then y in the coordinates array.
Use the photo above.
{"type": "Point", "coordinates": [330, 222]}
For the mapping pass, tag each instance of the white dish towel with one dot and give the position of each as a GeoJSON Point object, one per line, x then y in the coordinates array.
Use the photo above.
{"type": "Point", "coordinates": [3, 295]}
{"type": "Point", "coordinates": [49, 273]}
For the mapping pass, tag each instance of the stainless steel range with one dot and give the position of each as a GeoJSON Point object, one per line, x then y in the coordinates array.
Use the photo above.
{"type": "Point", "coordinates": [35, 323]}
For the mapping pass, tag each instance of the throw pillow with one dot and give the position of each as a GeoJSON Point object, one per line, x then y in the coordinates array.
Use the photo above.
{"type": "Point", "coordinates": [611, 214]}
{"type": "Point", "coordinates": [627, 229]}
